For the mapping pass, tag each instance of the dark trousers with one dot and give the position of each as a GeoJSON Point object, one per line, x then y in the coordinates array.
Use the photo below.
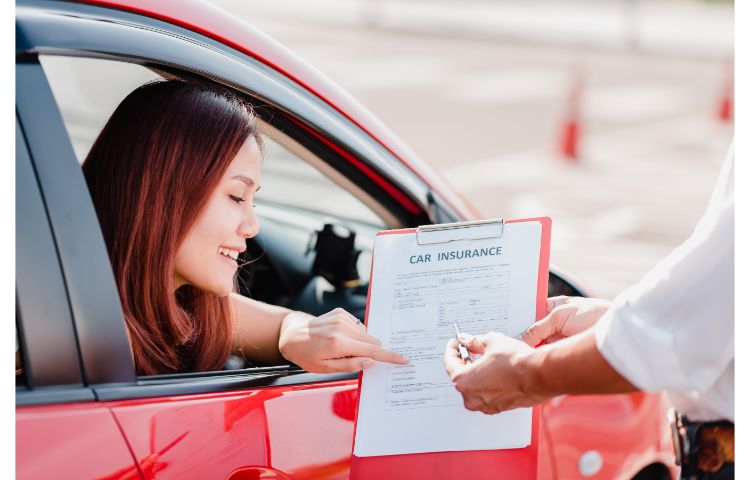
{"type": "Point", "coordinates": [726, 473]}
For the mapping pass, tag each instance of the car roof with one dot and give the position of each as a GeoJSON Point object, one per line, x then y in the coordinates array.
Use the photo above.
{"type": "Point", "coordinates": [209, 20]}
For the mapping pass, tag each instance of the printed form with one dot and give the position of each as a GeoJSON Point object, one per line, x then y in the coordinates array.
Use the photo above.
{"type": "Point", "coordinates": [417, 292]}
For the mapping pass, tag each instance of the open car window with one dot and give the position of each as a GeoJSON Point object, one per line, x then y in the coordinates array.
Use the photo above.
{"type": "Point", "coordinates": [300, 192]}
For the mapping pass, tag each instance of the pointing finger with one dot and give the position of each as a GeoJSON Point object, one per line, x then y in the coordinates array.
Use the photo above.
{"type": "Point", "coordinates": [351, 364]}
{"type": "Point", "coordinates": [384, 355]}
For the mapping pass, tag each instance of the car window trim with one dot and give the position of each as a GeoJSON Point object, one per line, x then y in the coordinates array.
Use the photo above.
{"type": "Point", "coordinates": [103, 345]}
{"type": "Point", "coordinates": [46, 335]}
{"type": "Point", "coordinates": [191, 384]}
{"type": "Point", "coordinates": [26, 397]}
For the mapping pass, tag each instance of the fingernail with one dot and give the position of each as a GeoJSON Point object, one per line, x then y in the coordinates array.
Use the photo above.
{"type": "Point", "coordinates": [465, 337]}
{"type": "Point", "coordinates": [367, 364]}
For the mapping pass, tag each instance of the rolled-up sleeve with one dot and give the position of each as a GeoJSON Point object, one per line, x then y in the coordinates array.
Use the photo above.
{"type": "Point", "coordinates": [674, 330]}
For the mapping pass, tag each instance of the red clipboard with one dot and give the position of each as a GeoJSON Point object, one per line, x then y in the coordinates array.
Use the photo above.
{"type": "Point", "coordinates": [517, 463]}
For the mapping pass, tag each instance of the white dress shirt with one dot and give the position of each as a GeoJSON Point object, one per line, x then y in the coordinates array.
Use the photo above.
{"type": "Point", "coordinates": [674, 330]}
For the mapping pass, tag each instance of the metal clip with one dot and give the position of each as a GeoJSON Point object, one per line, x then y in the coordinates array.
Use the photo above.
{"type": "Point", "coordinates": [449, 232]}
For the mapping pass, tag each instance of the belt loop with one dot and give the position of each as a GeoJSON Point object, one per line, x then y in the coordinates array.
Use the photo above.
{"type": "Point", "coordinates": [679, 440]}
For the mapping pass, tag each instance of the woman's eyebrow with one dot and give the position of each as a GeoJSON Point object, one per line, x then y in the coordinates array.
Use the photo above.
{"type": "Point", "coordinates": [246, 180]}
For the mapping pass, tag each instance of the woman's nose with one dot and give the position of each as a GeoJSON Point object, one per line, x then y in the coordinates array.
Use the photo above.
{"type": "Point", "coordinates": [249, 229]}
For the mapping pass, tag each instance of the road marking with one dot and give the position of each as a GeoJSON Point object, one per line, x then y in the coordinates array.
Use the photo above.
{"type": "Point", "coordinates": [512, 85]}
{"type": "Point", "coordinates": [635, 102]}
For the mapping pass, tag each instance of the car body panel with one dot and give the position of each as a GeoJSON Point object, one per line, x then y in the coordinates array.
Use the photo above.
{"type": "Point", "coordinates": [625, 430]}
{"type": "Point", "coordinates": [241, 433]}
{"type": "Point", "coordinates": [77, 440]}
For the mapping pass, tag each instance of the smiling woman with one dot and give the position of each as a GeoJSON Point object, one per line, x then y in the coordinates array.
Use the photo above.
{"type": "Point", "coordinates": [172, 176]}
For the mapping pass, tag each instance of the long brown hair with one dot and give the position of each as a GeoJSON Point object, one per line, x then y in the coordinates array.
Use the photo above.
{"type": "Point", "coordinates": [150, 173]}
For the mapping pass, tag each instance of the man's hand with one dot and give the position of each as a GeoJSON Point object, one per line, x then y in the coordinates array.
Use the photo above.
{"type": "Point", "coordinates": [333, 342]}
{"type": "Point", "coordinates": [493, 383]}
{"type": "Point", "coordinates": [566, 316]}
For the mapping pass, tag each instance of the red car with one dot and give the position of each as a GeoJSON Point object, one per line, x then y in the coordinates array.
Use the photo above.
{"type": "Point", "coordinates": [81, 410]}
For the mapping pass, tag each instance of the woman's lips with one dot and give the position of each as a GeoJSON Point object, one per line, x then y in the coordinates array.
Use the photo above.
{"type": "Point", "coordinates": [230, 261]}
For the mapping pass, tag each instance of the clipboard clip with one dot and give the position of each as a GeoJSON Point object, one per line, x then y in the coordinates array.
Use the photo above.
{"type": "Point", "coordinates": [449, 232]}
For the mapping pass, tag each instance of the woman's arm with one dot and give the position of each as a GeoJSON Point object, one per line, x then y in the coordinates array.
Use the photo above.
{"type": "Point", "coordinates": [257, 326]}
{"type": "Point", "coordinates": [333, 342]}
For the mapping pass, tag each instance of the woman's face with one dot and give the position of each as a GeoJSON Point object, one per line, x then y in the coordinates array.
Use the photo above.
{"type": "Point", "coordinates": [206, 258]}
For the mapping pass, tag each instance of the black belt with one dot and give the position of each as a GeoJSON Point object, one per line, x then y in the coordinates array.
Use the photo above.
{"type": "Point", "coordinates": [701, 447]}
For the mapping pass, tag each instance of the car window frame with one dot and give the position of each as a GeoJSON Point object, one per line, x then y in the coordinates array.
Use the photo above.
{"type": "Point", "coordinates": [326, 129]}
{"type": "Point", "coordinates": [46, 336]}
{"type": "Point", "coordinates": [86, 269]}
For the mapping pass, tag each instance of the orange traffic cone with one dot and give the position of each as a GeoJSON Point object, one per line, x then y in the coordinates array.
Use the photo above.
{"type": "Point", "coordinates": [726, 102]}
{"type": "Point", "coordinates": [571, 128]}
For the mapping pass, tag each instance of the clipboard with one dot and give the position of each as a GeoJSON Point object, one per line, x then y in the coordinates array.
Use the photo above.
{"type": "Point", "coordinates": [515, 463]}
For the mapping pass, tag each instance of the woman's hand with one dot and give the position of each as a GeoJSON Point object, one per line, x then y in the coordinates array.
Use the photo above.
{"type": "Point", "coordinates": [566, 316]}
{"type": "Point", "coordinates": [333, 342]}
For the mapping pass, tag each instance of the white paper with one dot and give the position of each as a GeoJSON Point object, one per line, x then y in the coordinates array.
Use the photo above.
{"type": "Point", "coordinates": [417, 292]}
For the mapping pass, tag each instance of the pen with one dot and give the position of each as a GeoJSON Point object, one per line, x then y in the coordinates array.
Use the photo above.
{"type": "Point", "coordinates": [461, 348]}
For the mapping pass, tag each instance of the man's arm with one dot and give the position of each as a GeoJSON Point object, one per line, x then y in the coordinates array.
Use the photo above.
{"type": "Point", "coordinates": [510, 374]}
{"type": "Point", "coordinates": [570, 366]}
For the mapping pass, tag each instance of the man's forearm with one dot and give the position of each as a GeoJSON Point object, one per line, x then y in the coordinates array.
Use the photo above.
{"type": "Point", "coordinates": [570, 366]}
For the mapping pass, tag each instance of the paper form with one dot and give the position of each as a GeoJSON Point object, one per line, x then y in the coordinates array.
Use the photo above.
{"type": "Point", "coordinates": [417, 292]}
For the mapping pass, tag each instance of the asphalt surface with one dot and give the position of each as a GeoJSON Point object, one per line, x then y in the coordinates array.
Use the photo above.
{"type": "Point", "coordinates": [485, 103]}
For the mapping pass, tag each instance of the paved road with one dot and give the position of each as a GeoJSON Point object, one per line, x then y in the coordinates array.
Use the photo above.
{"type": "Point", "coordinates": [487, 112]}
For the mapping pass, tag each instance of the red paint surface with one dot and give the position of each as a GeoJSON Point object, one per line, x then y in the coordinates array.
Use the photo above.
{"type": "Point", "coordinates": [301, 432]}
{"type": "Point", "coordinates": [630, 431]}
{"type": "Point", "coordinates": [79, 440]}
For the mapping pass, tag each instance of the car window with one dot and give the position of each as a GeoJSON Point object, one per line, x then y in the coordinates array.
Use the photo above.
{"type": "Point", "coordinates": [301, 191]}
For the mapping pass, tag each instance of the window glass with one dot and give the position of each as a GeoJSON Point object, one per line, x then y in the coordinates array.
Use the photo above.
{"type": "Point", "coordinates": [289, 180]}
{"type": "Point", "coordinates": [88, 90]}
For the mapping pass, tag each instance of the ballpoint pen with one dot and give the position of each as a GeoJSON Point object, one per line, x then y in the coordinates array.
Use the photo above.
{"type": "Point", "coordinates": [461, 348]}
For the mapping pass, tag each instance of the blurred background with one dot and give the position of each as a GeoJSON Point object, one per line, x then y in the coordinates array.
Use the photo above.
{"type": "Point", "coordinates": [610, 116]}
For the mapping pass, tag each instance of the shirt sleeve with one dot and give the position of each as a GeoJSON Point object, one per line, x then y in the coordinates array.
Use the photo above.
{"type": "Point", "coordinates": [674, 330]}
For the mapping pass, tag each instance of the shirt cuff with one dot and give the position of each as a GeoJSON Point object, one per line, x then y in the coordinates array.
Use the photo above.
{"type": "Point", "coordinates": [644, 355]}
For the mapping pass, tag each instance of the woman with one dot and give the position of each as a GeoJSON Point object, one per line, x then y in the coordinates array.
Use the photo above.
{"type": "Point", "coordinates": [172, 176]}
